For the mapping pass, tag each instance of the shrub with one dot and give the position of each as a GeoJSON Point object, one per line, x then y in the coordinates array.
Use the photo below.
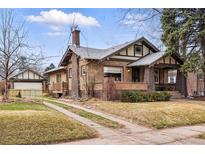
{"type": "Point", "coordinates": [128, 96]}
{"type": "Point", "coordinates": [132, 96]}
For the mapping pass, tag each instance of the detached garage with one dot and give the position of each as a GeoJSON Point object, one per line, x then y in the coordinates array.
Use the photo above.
{"type": "Point", "coordinates": [28, 82]}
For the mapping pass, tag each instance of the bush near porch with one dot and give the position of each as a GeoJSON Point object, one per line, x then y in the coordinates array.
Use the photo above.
{"type": "Point", "coordinates": [133, 96]}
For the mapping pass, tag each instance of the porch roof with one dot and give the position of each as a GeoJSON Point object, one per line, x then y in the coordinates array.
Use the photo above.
{"type": "Point", "coordinates": [148, 60]}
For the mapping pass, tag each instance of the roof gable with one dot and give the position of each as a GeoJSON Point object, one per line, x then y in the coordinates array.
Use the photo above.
{"type": "Point", "coordinates": [27, 74]}
{"type": "Point", "coordinates": [98, 54]}
{"type": "Point", "coordinates": [153, 58]}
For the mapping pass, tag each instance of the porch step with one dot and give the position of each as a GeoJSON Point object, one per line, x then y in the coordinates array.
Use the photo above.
{"type": "Point", "coordinates": [175, 94]}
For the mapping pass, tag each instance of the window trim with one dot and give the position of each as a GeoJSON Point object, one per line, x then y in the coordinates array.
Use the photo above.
{"type": "Point", "coordinates": [58, 76]}
{"type": "Point", "coordinates": [122, 73]}
{"type": "Point", "coordinates": [82, 74]}
{"type": "Point", "coordinates": [137, 45]}
{"type": "Point", "coordinates": [158, 76]}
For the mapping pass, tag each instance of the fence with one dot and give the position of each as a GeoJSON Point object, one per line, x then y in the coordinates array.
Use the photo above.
{"type": "Point", "coordinates": [25, 93]}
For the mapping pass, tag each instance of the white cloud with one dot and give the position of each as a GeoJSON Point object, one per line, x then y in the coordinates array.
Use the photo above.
{"type": "Point", "coordinates": [134, 20]}
{"type": "Point", "coordinates": [58, 33]}
{"type": "Point", "coordinates": [57, 18]}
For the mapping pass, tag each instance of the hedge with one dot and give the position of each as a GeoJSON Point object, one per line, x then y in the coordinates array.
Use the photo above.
{"type": "Point", "coordinates": [133, 96]}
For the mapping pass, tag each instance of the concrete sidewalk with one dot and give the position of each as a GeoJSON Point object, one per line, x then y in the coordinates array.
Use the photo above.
{"type": "Point", "coordinates": [131, 133]}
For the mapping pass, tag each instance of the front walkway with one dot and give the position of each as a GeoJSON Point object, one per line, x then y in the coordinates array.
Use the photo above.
{"type": "Point", "coordinates": [131, 133]}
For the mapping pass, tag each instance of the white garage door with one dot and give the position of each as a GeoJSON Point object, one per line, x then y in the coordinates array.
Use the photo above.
{"type": "Point", "coordinates": [28, 85]}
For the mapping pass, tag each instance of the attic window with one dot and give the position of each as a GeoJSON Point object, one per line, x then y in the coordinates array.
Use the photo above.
{"type": "Point", "coordinates": [137, 49]}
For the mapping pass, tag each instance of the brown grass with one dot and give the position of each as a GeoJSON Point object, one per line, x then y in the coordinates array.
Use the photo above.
{"type": "Point", "coordinates": [96, 118]}
{"type": "Point", "coordinates": [202, 136]}
{"type": "Point", "coordinates": [41, 126]}
{"type": "Point", "coordinates": [155, 114]}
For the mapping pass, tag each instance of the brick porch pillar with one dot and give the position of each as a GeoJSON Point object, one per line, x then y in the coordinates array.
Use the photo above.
{"type": "Point", "coordinates": [75, 86]}
{"type": "Point", "coordinates": [181, 83]}
{"type": "Point", "coordinates": [149, 78]}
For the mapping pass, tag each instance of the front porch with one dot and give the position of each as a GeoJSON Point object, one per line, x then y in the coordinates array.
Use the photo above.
{"type": "Point", "coordinates": [159, 77]}
{"type": "Point", "coordinates": [59, 87]}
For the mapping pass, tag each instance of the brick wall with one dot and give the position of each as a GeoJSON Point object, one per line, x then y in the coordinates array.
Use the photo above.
{"type": "Point", "coordinates": [191, 84]}
{"type": "Point", "coordinates": [131, 86]}
{"type": "Point", "coordinates": [75, 92]}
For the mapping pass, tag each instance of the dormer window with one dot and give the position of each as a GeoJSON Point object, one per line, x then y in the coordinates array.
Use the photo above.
{"type": "Point", "coordinates": [137, 49]}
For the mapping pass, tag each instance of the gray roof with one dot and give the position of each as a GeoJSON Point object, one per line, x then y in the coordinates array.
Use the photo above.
{"type": "Point", "coordinates": [54, 70]}
{"type": "Point", "coordinates": [88, 53]}
{"type": "Point", "coordinates": [148, 60]}
{"type": "Point", "coordinates": [93, 53]}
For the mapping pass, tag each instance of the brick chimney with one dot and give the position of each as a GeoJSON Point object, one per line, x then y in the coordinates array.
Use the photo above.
{"type": "Point", "coordinates": [76, 36]}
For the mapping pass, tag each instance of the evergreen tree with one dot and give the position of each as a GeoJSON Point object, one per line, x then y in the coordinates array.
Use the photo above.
{"type": "Point", "coordinates": [184, 33]}
{"type": "Point", "coordinates": [50, 67]}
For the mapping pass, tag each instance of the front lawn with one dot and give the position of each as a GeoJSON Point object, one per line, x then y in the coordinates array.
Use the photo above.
{"type": "Point", "coordinates": [96, 118]}
{"type": "Point", "coordinates": [34, 123]}
{"type": "Point", "coordinates": [155, 114]}
{"type": "Point", "coordinates": [202, 136]}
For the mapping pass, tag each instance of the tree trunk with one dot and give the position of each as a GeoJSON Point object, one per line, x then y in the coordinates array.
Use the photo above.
{"type": "Point", "coordinates": [203, 54]}
{"type": "Point", "coordinates": [6, 90]}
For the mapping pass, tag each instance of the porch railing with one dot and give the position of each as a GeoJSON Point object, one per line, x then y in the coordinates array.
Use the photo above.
{"type": "Point", "coordinates": [61, 86]}
{"type": "Point", "coordinates": [131, 86]}
{"type": "Point", "coordinates": [165, 87]}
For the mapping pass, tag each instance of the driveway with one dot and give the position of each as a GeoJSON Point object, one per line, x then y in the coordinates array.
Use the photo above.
{"type": "Point", "coordinates": [132, 133]}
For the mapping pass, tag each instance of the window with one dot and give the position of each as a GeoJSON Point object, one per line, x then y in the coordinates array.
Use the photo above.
{"type": "Point", "coordinates": [137, 49]}
{"type": "Point", "coordinates": [200, 76]}
{"type": "Point", "coordinates": [58, 78]}
{"type": "Point", "coordinates": [156, 76]}
{"type": "Point", "coordinates": [83, 70]}
{"type": "Point", "coordinates": [115, 72]}
{"type": "Point", "coordinates": [172, 76]}
{"type": "Point", "coordinates": [70, 72]}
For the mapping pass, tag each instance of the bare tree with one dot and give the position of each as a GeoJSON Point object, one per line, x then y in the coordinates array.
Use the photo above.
{"type": "Point", "coordinates": [144, 22]}
{"type": "Point", "coordinates": [13, 46]}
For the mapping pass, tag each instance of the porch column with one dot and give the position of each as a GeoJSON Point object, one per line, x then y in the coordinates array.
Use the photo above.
{"type": "Point", "coordinates": [149, 78]}
{"type": "Point", "coordinates": [75, 86]}
{"type": "Point", "coordinates": [181, 83]}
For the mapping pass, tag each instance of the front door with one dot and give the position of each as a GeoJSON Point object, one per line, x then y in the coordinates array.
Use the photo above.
{"type": "Point", "coordinates": [135, 74]}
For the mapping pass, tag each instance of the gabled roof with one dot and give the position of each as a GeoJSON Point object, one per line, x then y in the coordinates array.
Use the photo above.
{"type": "Point", "coordinates": [148, 60]}
{"type": "Point", "coordinates": [12, 77]}
{"type": "Point", "coordinates": [98, 54]}
{"type": "Point", "coordinates": [54, 70]}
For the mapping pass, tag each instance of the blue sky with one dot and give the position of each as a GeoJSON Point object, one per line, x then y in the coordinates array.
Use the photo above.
{"type": "Point", "coordinates": [100, 28]}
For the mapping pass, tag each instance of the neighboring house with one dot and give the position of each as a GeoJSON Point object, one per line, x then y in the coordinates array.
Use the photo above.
{"type": "Point", "coordinates": [28, 80]}
{"type": "Point", "coordinates": [57, 81]}
{"type": "Point", "coordinates": [195, 84]}
{"type": "Point", "coordinates": [135, 65]}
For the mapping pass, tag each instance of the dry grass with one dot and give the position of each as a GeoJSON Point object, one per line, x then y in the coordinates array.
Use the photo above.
{"type": "Point", "coordinates": [202, 136]}
{"type": "Point", "coordinates": [22, 123]}
{"type": "Point", "coordinates": [96, 118]}
{"type": "Point", "coordinates": [156, 114]}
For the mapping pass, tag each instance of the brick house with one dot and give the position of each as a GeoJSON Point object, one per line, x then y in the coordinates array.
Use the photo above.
{"type": "Point", "coordinates": [134, 65]}
{"type": "Point", "coordinates": [195, 84]}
